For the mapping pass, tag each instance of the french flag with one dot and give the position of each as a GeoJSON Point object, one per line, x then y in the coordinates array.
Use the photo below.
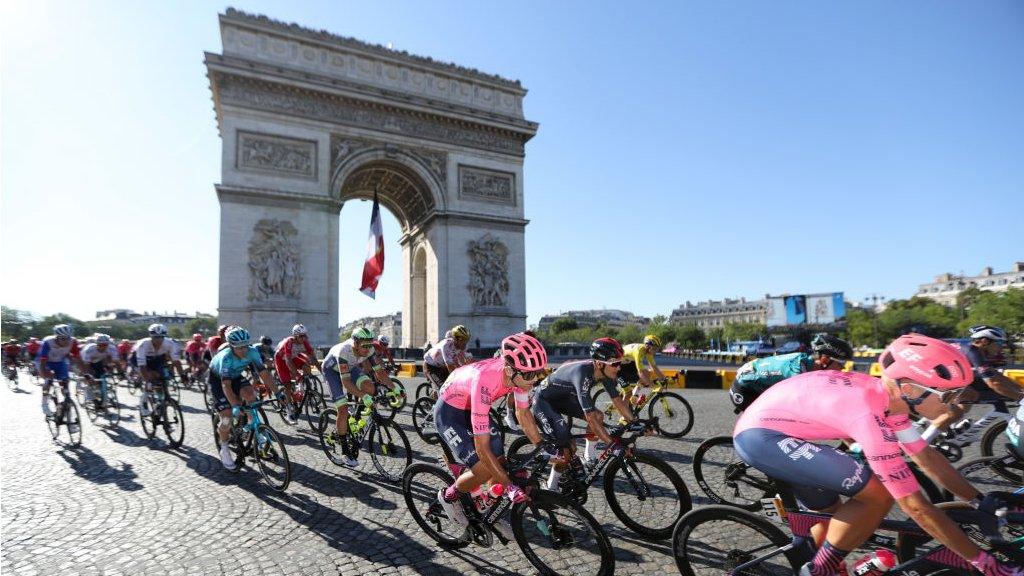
{"type": "Point", "coordinates": [374, 266]}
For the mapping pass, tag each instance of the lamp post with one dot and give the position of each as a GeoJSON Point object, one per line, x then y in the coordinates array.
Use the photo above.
{"type": "Point", "coordinates": [875, 299]}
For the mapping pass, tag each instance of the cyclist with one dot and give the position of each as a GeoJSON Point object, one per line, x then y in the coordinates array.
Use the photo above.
{"type": "Point", "coordinates": [95, 359]}
{"type": "Point", "coordinates": [343, 368]}
{"type": "Point", "coordinates": [11, 351]}
{"type": "Point", "coordinates": [776, 434]}
{"type": "Point", "coordinates": [293, 354]}
{"type": "Point", "coordinates": [32, 348]}
{"type": "Point", "coordinates": [462, 418]}
{"type": "Point", "coordinates": [446, 355]}
{"type": "Point", "coordinates": [215, 343]}
{"type": "Point", "coordinates": [633, 358]}
{"type": "Point", "coordinates": [566, 392]}
{"type": "Point", "coordinates": [194, 354]}
{"type": "Point", "coordinates": [53, 359]}
{"type": "Point", "coordinates": [266, 349]}
{"type": "Point", "coordinates": [230, 388]}
{"type": "Point", "coordinates": [756, 376]}
{"type": "Point", "coordinates": [381, 347]}
{"type": "Point", "coordinates": [124, 350]}
{"type": "Point", "coordinates": [151, 356]}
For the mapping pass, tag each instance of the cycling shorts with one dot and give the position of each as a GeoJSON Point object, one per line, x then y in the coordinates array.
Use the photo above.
{"type": "Point", "coordinates": [59, 369]}
{"type": "Point", "coordinates": [195, 358]}
{"type": "Point", "coordinates": [437, 374]}
{"type": "Point", "coordinates": [96, 369]}
{"type": "Point", "coordinates": [455, 430]}
{"type": "Point", "coordinates": [628, 373]}
{"type": "Point", "coordinates": [818, 474]}
{"type": "Point", "coordinates": [283, 373]}
{"type": "Point", "coordinates": [550, 405]}
{"type": "Point", "coordinates": [217, 389]}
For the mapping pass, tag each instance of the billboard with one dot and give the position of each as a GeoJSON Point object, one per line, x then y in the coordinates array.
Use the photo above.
{"type": "Point", "coordinates": [799, 309]}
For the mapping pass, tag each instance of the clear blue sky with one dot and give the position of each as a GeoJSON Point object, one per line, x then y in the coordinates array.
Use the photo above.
{"type": "Point", "coordinates": [686, 150]}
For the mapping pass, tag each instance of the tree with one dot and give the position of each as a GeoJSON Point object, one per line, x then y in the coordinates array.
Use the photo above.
{"type": "Point", "coordinates": [16, 323]}
{"type": "Point", "coordinates": [744, 331]}
{"type": "Point", "coordinates": [690, 337]}
{"type": "Point", "coordinates": [917, 314]}
{"type": "Point", "coordinates": [716, 335]}
{"type": "Point", "coordinates": [205, 325]}
{"type": "Point", "coordinates": [564, 324]}
{"type": "Point", "coordinates": [860, 327]}
{"type": "Point", "coordinates": [1003, 309]}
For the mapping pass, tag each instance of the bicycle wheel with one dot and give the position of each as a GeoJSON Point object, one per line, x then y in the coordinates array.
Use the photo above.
{"type": "Point", "coordinates": [674, 414]}
{"type": "Point", "coordinates": [423, 390]}
{"type": "Point", "coordinates": [111, 412]}
{"type": "Point", "coordinates": [716, 539]}
{"type": "Point", "coordinates": [236, 447]}
{"type": "Point", "coordinates": [173, 389]}
{"type": "Point", "coordinates": [993, 438]}
{"type": "Point", "coordinates": [603, 402]}
{"type": "Point", "coordinates": [11, 376]}
{"type": "Point", "coordinates": [399, 402]}
{"type": "Point", "coordinates": [420, 484]}
{"type": "Point", "coordinates": [389, 450]}
{"type": "Point", "coordinates": [1002, 473]}
{"type": "Point", "coordinates": [558, 536]}
{"type": "Point", "coordinates": [272, 458]}
{"type": "Point", "coordinates": [90, 407]}
{"type": "Point", "coordinates": [72, 424]}
{"type": "Point", "coordinates": [314, 405]}
{"type": "Point", "coordinates": [330, 443]}
{"type": "Point", "coordinates": [725, 478]}
{"type": "Point", "coordinates": [646, 494]}
{"type": "Point", "coordinates": [173, 422]}
{"type": "Point", "coordinates": [423, 420]}
{"type": "Point", "coordinates": [149, 421]}
{"type": "Point", "coordinates": [52, 422]}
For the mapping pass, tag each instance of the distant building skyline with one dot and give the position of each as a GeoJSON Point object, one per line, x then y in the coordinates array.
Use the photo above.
{"type": "Point", "coordinates": [594, 318]}
{"type": "Point", "coordinates": [947, 286]}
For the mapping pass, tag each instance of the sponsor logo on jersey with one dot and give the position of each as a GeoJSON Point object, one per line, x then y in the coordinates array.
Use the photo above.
{"type": "Point", "coordinates": [796, 448]}
{"type": "Point", "coordinates": [855, 479]}
{"type": "Point", "coordinates": [887, 434]}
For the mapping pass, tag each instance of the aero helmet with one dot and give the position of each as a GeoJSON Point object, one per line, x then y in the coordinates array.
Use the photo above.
{"type": "Point", "coordinates": [927, 361]}
{"type": "Point", "coordinates": [363, 333]}
{"type": "Point", "coordinates": [986, 331]}
{"type": "Point", "coordinates": [157, 330]}
{"type": "Point", "coordinates": [63, 330]}
{"type": "Point", "coordinates": [653, 340]}
{"type": "Point", "coordinates": [832, 347]}
{"type": "Point", "coordinates": [384, 340]}
{"type": "Point", "coordinates": [460, 332]}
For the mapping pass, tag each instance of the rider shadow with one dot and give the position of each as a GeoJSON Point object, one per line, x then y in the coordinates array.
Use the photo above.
{"type": "Point", "coordinates": [671, 457]}
{"type": "Point", "coordinates": [94, 468]}
{"type": "Point", "coordinates": [349, 536]}
{"type": "Point", "coordinates": [19, 390]}
{"type": "Point", "coordinates": [124, 436]}
{"type": "Point", "coordinates": [211, 468]}
{"type": "Point", "coordinates": [337, 486]}
{"type": "Point", "coordinates": [617, 533]}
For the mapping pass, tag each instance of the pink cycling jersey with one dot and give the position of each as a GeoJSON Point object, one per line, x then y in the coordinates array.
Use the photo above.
{"type": "Point", "coordinates": [475, 386]}
{"type": "Point", "coordinates": [833, 405]}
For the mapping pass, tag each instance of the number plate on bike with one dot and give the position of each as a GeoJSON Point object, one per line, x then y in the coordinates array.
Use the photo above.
{"type": "Point", "coordinates": [773, 510]}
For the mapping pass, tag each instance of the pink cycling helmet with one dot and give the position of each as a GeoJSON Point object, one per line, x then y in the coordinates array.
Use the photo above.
{"type": "Point", "coordinates": [927, 361]}
{"type": "Point", "coordinates": [524, 352]}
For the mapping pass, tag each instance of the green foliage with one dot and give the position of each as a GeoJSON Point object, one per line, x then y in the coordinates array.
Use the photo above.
{"type": "Point", "coordinates": [345, 335]}
{"type": "Point", "coordinates": [860, 326]}
{"type": "Point", "coordinates": [744, 331]}
{"type": "Point", "coordinates": [207, 326]}
{"type": "Point", "coordinates": [564, 324]}
{"type": "Point", "coordinates": [691, 337]}
{"type": "Point", "coordinates": [916, 315]}
{"type": "Point", "coordinates": [1003, 309]}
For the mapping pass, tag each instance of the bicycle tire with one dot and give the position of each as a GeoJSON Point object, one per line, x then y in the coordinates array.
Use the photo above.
{"type": "Point", "coordinates": [148, 422]}
{"type": "Point", "coordinates": [993, 438]}
{"type": "Point", "coordinates": [423, 390]}
{"type": "Point", "coordinates": [403, 396]}
{"type": "Point", "coordinates": [387, 443]}
{"type": "Point", "coordinates": [731, 557]}
{"type": "Point", "coordinates": [423, 420]}
{"type": "Point", "coordinates": [735, 469]}
{"type": "Point", "coordinates": [313, 405]}
{"type": "Point", "coordinates": [658, 531]}
{"type": "Point", "coordinates": [52, 424]}
{"type": "Point", "coordinates": [90, 408]}
{"type": "Point", "coordinates": [112, 407]}
{"type": "Point", "coordinates": [270, 449]}
{"type": "Point", "coordinates": [603, 402]}
{"type": "Point", "coordinates": [328, 419]}
{"type": "Point", "coordinates": [421, 499]}
{"type": "Point", "coordinates": [558, 537]}
{"type": "Point", "coordinates": [382, 405]}
{"type": "Point", "coordinates": [1007, 468]}
{"type": "Point", "coordinates": [172, 421]}
{"type": "Point", "coordinates": [671, 407]}
{"type": "Point", "coordinates": [71, 421]}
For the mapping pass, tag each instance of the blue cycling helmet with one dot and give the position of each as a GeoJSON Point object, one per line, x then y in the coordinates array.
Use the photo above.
{"type": "Point", "coordinates": [238, 337]}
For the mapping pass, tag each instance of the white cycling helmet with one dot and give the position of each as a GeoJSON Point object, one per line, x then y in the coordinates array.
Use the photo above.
{"type": "Point", "coordinates": [102, 339]}
{"type": "Point", "coordinates": [157, 330]}
{"type": "Point", "coordinates": [986, 331]}
{"type": "Point", "coordinates": [299, 330]}
{"type": "Point", "coordinates": [63, 330]}
{"type": "Point", "coordinates": [384, 340]}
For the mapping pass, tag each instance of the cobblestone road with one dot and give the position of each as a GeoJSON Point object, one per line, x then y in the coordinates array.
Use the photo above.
{"type": "Point", "coordinates": [120, 504]}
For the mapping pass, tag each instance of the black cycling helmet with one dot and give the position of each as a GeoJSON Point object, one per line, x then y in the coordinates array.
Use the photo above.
{"type": "Point", "coordinates": [832, 347]}
{"type": "Point", "coordinates": [606, 349]}
{"type": "Point", "coordinates": [266, 340]}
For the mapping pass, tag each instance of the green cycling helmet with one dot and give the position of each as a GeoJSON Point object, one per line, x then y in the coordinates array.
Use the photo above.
{"type": "Point", "coordinates": [362, 334]}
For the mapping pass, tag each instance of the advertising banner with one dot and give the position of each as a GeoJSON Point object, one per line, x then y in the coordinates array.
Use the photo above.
{"type": "Point", "coordinates": [817, 309]}
{"type": "Point", "coordinates": [796, 310]}
{"type": "Point", "coordinates": [775, 312]}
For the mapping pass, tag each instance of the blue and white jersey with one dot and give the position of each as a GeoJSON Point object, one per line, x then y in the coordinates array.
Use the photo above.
{"type": "Point", "coordinates": [228, 366]}
{"type": "Point", "coordinates": [54, 353]}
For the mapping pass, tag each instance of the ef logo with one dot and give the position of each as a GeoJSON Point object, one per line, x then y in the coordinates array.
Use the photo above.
{"type": "Point", "coordinates": [910, 355]}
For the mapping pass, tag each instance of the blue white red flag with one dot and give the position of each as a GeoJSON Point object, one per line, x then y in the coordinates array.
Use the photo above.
{"type": "Point", "coordinates": [374, 266]}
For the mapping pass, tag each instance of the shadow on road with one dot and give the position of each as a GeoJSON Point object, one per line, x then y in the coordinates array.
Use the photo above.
{"type": "Point", "coordinates": [91, 466]}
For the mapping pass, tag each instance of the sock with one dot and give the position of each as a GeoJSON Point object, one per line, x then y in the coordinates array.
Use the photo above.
{"type": "Point", "coordinates": [826, 562]}
{"type": "Point", "coordinates": [591, 449]}
{"type": "Point", "coordinates": [930, 433]}
{"type": "Point", "coordinates": [553, 479]}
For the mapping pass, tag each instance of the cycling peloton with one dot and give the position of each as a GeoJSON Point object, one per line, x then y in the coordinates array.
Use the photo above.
{"type": "Point", "coordinates": [777, 433]}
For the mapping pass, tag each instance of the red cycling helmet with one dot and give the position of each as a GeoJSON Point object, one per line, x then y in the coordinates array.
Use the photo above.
{"type": "Point", "coordinates": [927, 361]}
{"type": "Point", "coordinates": [524, 352]}
{"type": "Point", "coordinates": [197, 337]}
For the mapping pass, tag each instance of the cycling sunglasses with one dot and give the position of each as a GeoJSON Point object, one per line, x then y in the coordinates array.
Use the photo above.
{"type": "Point", "coordinates": [613, 363]}
{"type": "Point", "coordinates": [945, 396]}
{"type": "Point", "coordinates": [534, 375]}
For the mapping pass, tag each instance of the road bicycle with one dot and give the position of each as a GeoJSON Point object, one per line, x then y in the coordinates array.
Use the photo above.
{"type": "Point", "coordinates": [671, 411]}
{"type": "Point", "coordinates": [644, 492]}
{"type": "Point", "coordinates": [386, 443]}
{"type": "Point", "coordinates": [103, 405]}
{"type": "Point", "coordinates": [252, 436]}
{"type": "Point", "coordinates": [159, 411]}
{"type": "Point", "coordinates": [556, 534]}
{"type": "Point", "coordinates": [717, 539]}
{"type": "Point", "coordinates": [989, 428]}
{"type": "Point", "coordinates": [63, 415]}
{"type": "Point", "coordinates": [726, 479]}
{"type": "Point", "coordinates": [10, 372]}
{"type": "Point", "coordinates": [423, 420]}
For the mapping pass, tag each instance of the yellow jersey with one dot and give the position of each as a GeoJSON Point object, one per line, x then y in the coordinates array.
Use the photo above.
{"type": "Point", "coordinates": [636, 354]}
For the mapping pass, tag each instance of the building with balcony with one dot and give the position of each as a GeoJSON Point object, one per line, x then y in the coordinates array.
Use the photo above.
{"type": "Point", "coordinates": [945, 288]}
{"type": "Point", "coordinates": [718, 313]}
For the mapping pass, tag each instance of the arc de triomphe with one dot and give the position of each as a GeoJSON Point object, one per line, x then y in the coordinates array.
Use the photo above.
{"type": "Point", "coordinates": [310, 120]}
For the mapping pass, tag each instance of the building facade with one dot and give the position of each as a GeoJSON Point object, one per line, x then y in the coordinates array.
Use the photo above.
{"type": "Point", "coordinates": [390, 326]}
{"type": "Point", "coordinates": [718, 313]}
{"type": "Point", "coordinates": [133, 317]}
{"type": "Point", "coordinates": [945, 288]}
{"type": "Point", "coordinates": [595, 318]}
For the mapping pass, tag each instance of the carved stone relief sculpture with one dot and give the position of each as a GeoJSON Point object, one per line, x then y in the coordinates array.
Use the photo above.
{"type": "Point", "coordinates": [266, 153]}
{"type": "Point", "coordinates": [487, 185]}
{"type": "Point", "coordinates": [488, 272]}
{"type": "Point", "coordinates": [275, 267]}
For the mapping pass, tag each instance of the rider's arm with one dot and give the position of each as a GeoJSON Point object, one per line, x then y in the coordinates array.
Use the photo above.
{"type": "Point", "coordinates": [623, 407]}
{"type": "Point", "coordinates": [939, 468]}
{"type": "Point", "coordinates": [936, 523]}
{"type": "Point", "coordinates": [229, 393]}
{"type": "Point", "coordinates": [1004, 385]}
{"type": "Point", "coordinates": [654, 366]}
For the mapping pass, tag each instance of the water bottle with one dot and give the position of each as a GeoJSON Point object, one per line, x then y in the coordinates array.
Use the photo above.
{"type": "Point", "coordinates": [878, 562]}
{"type": "Point", "coordinates": [485, 498]}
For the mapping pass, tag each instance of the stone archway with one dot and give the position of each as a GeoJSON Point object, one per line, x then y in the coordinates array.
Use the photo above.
{"type": "Point", "coordinates": [309, 120]}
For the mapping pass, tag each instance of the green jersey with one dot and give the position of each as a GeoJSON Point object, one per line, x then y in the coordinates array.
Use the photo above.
{"type": "Point", "coordinates": [761, 374]}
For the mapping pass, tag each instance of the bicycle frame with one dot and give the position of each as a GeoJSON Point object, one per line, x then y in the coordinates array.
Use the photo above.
{"type": "Point", "coordinates": [999, 411]}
